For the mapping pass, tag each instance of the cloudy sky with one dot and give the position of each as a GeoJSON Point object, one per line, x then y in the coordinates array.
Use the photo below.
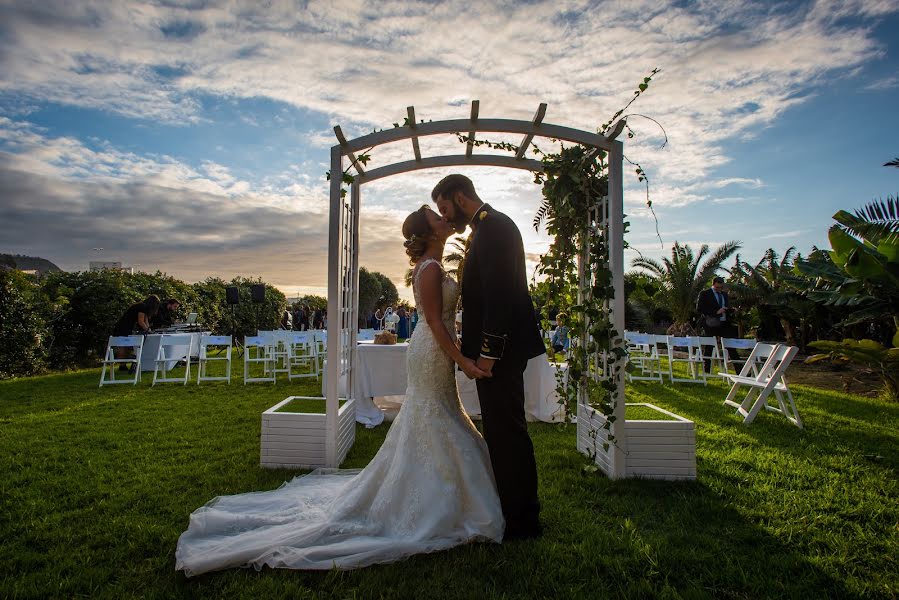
{"type": "Point", "coordinates": [193, 136]}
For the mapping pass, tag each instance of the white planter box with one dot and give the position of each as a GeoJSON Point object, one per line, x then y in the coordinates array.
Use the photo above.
{"type": "Point", "coordinates": [297, 440]}
{"type": "Point", "coordinates": [654, 449]}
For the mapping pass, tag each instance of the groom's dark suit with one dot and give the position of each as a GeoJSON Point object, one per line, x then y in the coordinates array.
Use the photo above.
{"type": "Point", "coordinates": [498, 322]}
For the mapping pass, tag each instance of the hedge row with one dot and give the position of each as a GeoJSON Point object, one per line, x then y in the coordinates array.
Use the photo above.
{"type": "Point", "coordinates": [64, 319]}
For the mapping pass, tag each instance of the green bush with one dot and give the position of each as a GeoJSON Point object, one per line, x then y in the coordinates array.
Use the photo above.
{"type": "Point", "coordinates": [84, 306]}
{"type": "Point", "coordinates": [23, 325]}
{"type": "Point", "coordinates": [88, 304]}
{"type": "Point", "coordinates": [243, 319]}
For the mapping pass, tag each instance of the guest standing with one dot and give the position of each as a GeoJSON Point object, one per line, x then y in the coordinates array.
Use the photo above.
{"type": "Point", "coordinates": [713, 306]}
{"type": "Point", "coordinates": [402, 327]}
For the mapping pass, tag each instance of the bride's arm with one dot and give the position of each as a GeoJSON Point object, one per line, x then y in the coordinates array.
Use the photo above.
{"type": "Point", "coordinates": [430, 288]}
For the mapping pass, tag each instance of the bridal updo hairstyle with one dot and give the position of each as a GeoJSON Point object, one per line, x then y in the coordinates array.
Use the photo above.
{"type": "Point", "coordinates": [416, 230]}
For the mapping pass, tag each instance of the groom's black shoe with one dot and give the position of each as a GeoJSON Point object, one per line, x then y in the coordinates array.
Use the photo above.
{"type": "Point", "coordinates": [520, 532]}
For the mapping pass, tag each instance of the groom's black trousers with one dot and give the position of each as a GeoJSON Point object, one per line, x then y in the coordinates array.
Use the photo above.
{"type": "Point", "coordinates": [511, 450]}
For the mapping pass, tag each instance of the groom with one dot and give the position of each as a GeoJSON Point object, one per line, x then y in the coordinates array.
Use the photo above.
{"type": "Point", "coordinates": [499, 329]}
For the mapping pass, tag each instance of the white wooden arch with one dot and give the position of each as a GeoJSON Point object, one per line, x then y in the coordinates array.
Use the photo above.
{"type": "Point", "coordinates": [343, 241]}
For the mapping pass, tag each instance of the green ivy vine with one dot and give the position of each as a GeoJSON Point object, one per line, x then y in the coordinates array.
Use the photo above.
{"type": "Point", "coordinates": [575, 189]}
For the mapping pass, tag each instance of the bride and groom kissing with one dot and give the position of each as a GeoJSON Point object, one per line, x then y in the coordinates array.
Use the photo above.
{"type": "Point", "coordinates": [435, 482]}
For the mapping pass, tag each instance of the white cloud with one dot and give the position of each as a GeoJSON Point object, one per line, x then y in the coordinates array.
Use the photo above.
{"type": "Point", "coordinates": [730, 69]}
{"type": "Point", "coordinates": [783, 234]}
{"type": "Point", "coordinates": [887, 83]}
{"type": "Point", "coordinates": [754, 183]}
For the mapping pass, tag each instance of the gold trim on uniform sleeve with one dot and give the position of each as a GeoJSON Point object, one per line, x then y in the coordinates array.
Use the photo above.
{"type": "Point", "coordinates": [493, 346]}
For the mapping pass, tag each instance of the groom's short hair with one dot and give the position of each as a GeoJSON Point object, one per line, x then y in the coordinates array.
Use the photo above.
{"type": "Point", "coordinates": [451, 184]}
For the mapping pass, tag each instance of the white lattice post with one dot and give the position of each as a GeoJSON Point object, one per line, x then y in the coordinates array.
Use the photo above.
{"type": "Point", "coordinates": [335, 250]}
{"type": "Point", "coordinates": [353, 320]}
{"type": "Point", "coordinates": [616, 263]}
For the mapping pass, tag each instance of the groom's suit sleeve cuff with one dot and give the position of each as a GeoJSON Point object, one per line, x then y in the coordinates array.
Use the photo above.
{"type": "Point", "coordinates": [493, 346]}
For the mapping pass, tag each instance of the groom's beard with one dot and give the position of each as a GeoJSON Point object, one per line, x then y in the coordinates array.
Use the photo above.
{"type": "Point", "coordinates": [459, 221]}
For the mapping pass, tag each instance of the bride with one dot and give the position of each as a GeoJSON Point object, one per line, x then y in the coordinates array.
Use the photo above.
{"type": "Point", "coordinates": [430, 487]}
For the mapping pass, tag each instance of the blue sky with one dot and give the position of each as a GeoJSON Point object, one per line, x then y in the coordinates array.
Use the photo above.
{"type": "Point", "coordinates": [193, 137]}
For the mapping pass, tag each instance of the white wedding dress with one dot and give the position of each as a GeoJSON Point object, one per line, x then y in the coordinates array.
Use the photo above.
{"type": "Point", "coordinates": [429, 487]}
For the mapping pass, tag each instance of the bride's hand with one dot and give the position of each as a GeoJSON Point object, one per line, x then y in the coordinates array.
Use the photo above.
{"type": "Point", "coordinates": [472, 371]}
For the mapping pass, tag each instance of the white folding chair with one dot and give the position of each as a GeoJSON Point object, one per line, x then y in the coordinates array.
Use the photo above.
{"type": "Point", "coordinates": [321, 345]}
{"type": "Point", "coordinates": [220, 343]}
{"type": "Point", "coordinates": [693, 350]}
{"type": "Point", "coordinates": [173, 348]}
{"type": "Point", "coordinates": [643, 352]}
{"type": "Point", "coordinates": [735, 344]}
{"type": "Point", "coordinates": [769, 378]}
{"type": "Point", "coordinates": [258, 350]}
{"type": "Point", "coordinates": [279, 340]}
{"type": "Point", "coordinates": [365, 335]}
{"type": "Point", "coordinates": [709, 344]}
{"type": "Point", "coordinates": [302, 354]}
{"type": "Point", "coordinates": [135, 343]}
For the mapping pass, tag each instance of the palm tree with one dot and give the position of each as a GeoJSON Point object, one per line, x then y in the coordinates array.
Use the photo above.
{"type": "Point", "coordinates": [456, 257]}
{"type": "Point", "coordinates": [772, 285]}
{"type": "Point", "coordinates": [683, 276]}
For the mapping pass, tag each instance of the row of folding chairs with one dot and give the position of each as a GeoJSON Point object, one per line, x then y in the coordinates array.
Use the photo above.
{"type": "Point", "coordinates": [762, 373]}
{"type": "Point", "coordinates": [645, 354]}
{"type": "Point", "coordinates": [296, 354]}
{"type": "Point", "coordinates": [174, 349]}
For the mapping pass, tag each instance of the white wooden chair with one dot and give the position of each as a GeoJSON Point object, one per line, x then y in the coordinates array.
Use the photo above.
{"type": "Point", "coordinates": [135, 343]}
{"type": "Point", "coordinates": [709, 345]}
{"type": "Point", "coordinates": [365, 335]}
{"type": "Point", "coordinates": [643, 352]}
{"type": "Point", "coordinates": [735, 344]}
{"type": "Point", "coordinates": [218, 342]}
{"type": "Point", "coordinates": [173, 348]}
{"type": "Point", "coordinates": [321, 342]}
{"type": "Point", "coordinates": [767, 379]}
{"type": "Point", "coordinates": [302, 354]}
{"type": "Point", "coordinates": [258, 350]}
{"type": "Point", "coordinates": [280, 340]}
{"type": "Point", "coordinates": [693, 350]}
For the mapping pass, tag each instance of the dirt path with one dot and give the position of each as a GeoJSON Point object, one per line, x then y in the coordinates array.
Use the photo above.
{"type": "Point", "coordinates": [842, 378]}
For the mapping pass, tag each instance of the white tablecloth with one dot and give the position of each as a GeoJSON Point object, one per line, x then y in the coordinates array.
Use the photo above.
{"type": "Point", "coordinates": [381, 371]}
{"type": "Point", "coordinates": [151, 348]}
{"type": "Point", "coordinates": [541, 402]}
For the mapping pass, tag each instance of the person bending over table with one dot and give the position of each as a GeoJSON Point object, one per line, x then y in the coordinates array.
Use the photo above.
{"type": "Point", "coordinates": [165, 317]}
{"type": "Point", "coordinates": [136, 318]}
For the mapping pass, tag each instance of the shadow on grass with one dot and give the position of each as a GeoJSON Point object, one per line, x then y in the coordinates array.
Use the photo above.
{"type": "Point", "coordinates": [691, 541]}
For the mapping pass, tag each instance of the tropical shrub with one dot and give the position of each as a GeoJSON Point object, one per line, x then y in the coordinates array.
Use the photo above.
{"type": "Point", "coordinates": [861, 271]}
{"type": "Point", "coordinates": [23, 326]}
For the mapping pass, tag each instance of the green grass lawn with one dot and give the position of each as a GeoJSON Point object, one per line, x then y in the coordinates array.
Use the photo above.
{"type": "Point", "coordinates": [96, 486]}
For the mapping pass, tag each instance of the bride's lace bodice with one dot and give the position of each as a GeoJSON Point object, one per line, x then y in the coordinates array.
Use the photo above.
{"type": "Point", "coordinates": [430, 370]}
{"type": "Point", "coordinates": [450, 292]}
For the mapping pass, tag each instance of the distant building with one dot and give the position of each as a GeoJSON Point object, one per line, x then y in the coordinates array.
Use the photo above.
{"type": "Point", "coordinates": [96, 265]}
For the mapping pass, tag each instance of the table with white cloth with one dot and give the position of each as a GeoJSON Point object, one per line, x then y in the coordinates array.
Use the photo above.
{"type": "Point", "coordinates": [381, 371]}
{"type": "Point", "coordinates": [541, 401]}
{"type": "Point", "coordinates": [151, 349]}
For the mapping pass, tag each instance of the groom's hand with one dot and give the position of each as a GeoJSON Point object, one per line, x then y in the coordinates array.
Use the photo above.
{"type": "Point", "coordinates": [486, 364]}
